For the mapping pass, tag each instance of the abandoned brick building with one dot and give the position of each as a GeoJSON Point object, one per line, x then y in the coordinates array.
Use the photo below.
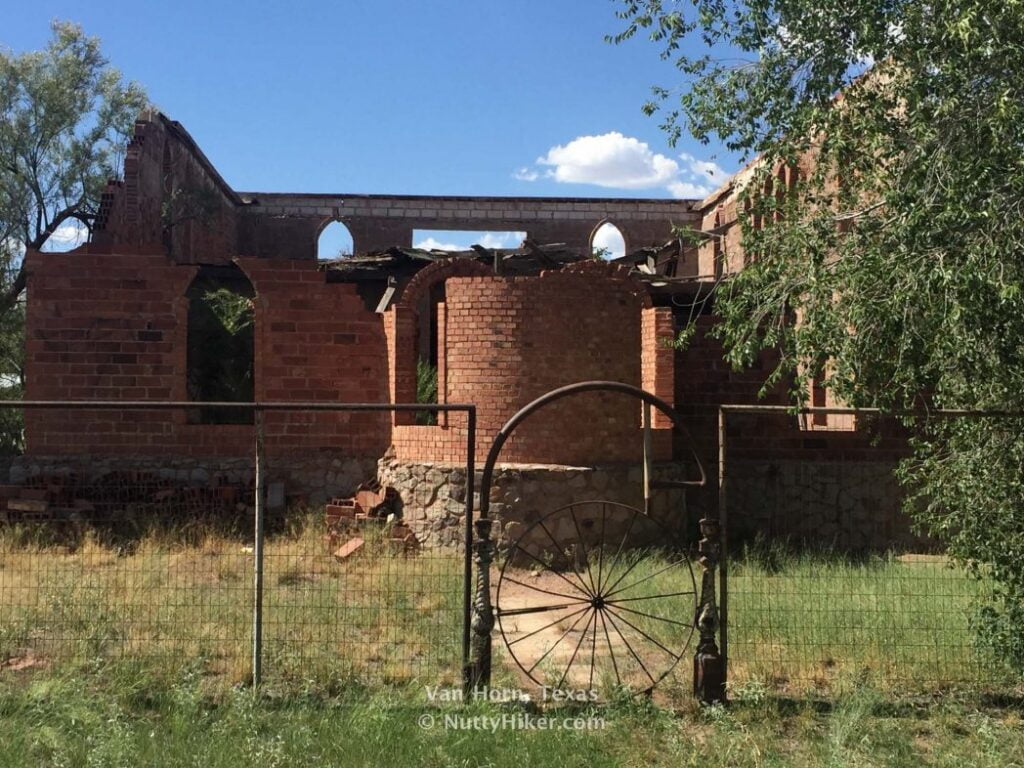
{"type": "Point", "coordinates": [113, 320]}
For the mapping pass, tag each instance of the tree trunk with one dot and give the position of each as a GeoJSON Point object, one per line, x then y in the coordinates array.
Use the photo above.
{"type": "Point", "coordinates": [10, 295]}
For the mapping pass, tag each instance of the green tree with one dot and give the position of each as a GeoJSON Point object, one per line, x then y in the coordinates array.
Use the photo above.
{"type": "Point", "coordinates": [901, 249]}
{"type": "Point", "coordinates": [65, 118]}
{"type": "Point", "coordinates": [12, 369]}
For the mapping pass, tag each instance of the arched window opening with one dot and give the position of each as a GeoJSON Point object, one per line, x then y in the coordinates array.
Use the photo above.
{"type": "Point", "coordinates": [608, 242]}
{"type": "Point", "coordinates": [335, 242]}
{"type": "Point", "coordinates": [220, 357]}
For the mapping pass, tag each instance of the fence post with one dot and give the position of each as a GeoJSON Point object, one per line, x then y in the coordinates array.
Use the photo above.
{"type": "Point", "coordinates": [257, 609]}
{"type": "Point", "coordinates": [467, 555]}
{"type": "Point", "coordinates": [708, 663]}
{"type": "Point", "coordinates": [478, 671]}
{"type": "Point", "coordinates": [723, 556]}
{"type": "Point", "coordinates": [648, 453]}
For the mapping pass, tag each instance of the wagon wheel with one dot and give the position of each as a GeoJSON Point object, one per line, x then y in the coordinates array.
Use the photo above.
{"type": "Point", "coordinates": [593, 594]}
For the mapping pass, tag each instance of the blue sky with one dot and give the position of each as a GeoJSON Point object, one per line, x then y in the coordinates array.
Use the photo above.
{"type": "Point", "coordinates": [521, 97]}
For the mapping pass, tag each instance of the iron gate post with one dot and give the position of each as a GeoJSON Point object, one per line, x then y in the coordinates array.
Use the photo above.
{"type": "Point", "coordinates": [477, 674]}
{"type": "Point", "coordinates": [708, 666]}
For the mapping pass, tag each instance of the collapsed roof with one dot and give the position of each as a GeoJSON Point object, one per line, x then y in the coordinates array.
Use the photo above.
{"type": "Point", "coordinates": [379, 271]}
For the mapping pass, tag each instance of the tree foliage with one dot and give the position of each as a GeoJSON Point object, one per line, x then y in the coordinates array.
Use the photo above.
{"type": "Point", "coordinates": [221, 349]}
{"type": "Point", "coordinates": [901, 247]}
{"type": "Point", "coordinates": [65, 118]}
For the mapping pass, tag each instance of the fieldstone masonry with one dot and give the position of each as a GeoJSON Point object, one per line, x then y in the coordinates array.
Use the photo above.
{"type": "Point", "coordinates": [849, 506]}
{"type": "Point", "coordinates": [433, 495]}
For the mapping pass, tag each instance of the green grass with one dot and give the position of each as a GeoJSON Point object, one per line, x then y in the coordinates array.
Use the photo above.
{"type": "Point", "coordinates": [798, 624]}
{"type": "Point", "coordinates": [117, 715]}
{"type": "Point", "coordinates": [808, 623]}
{"type": "Point", "coordinates": [819, 622]}
{"type": "Point", "coordinates": [140, 656]}
{"type": "Point", "coordinates": [375, 617]}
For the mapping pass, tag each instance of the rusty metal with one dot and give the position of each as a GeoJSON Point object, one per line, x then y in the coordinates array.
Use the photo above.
{"type": "Point", "coordinates": [604, 600]}
{"type": "Point", "coordinates": [708, 666]}
{"type": "Point", "coordinates": [648, 452]}
{"type": "Point", "coordinates": [477, 674]}
{"type": "Point", "coordinates": [723, 507]}
{"type": "Point", "coordinates": [467, 562]}
{"type": "Point", "coordinates": [723, 561]}
{"type": "Point", "coordinates": [596, 596]}
{"type": "Point", "coordinates": [899, 412]}
{"type": "Point", "coordinates": [170, 405]}
{"type": "Point", "coordinates": [575, 389]}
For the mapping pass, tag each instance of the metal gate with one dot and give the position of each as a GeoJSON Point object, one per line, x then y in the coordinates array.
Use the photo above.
{"type": "Point", "coordinates": [588, 561]}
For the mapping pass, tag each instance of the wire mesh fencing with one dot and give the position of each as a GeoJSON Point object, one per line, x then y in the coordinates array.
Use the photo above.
{"type": "Point", "coordinates": [357, 588]}
{"type": "Point", "coordinates": [99, 563]}
{"type": "Point", "coordinates": [154, 557]}
{"type": "Point", "coordinates": [827, 584]}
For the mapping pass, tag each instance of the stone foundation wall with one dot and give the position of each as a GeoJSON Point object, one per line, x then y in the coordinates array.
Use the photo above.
{"type": "Point", "coordinates": [318, 477]}
{"type": "Point", "coordinates": [848, 506]}
{"type": "Point", "coordinates": [433, 495]}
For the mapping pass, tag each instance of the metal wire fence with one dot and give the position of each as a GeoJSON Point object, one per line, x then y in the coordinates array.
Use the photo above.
{"type": "Point", "coordinates": [827, 584]}
{"type": "Point", "coordinates": [360, 601]}
{"type": "Point", "coordinates": [234, 567]}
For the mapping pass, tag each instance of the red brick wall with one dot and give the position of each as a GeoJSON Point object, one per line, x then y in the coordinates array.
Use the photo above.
{"type": "Point", "coordinates": [162, 162]}
{"type": "Point", "coordinates": [112, 327]}
{"type": "Point", "coordinates": [657, 366]}
{"type": "Point", "coordinates": [511, 339]}
{"type": "Point", "coordinates": [704, 381]}
{"type": "Point", "coordinates": [318, 342]}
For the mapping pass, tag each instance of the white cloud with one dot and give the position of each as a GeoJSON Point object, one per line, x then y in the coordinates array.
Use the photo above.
{"type": "Point", "coordinates": [431, 244]}
{"type": "Point", "coordinates": [687, 190]}
{"type": "Point", "coordinates": [609, 160]}
{"type": "Point", "coordinates": [609, 238]}
{"type": "Point", "coordinates": [67, 236]}
{"type": "Point", "coordinates": [617, 161]}
{"type": "Point", "coordinates": [502, 239]}
{"type": "Point", "coordinates": [705, 169]}
{"type": "Point", "coordinates": [461, 241]}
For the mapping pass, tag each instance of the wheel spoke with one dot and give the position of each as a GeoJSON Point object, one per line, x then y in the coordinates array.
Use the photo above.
{"type": "Point", "coordinates": [575, 651]}
{"type": "Point", "coordinates": [611, 650]}
{"type": "Point", "coordinates": [628, 646]}
{"type": "Point", "coordinates": [535, 588]}
{"type": "Point", "coordinates": [510, 643]}
{"type": "Point", "coordinates": [608, 588]}
{"type": "Point", "coordinates": [618, 552]}
{"type": "Point", "coordinates": [593, 654]}
{"type": "Point", "coordinates": [586, 555]}
{"type": "Point", "coordinates": [549, 650]}
{"type": "Point", "coordinates": [558, 548]}
{"type": "Point", "coordinates": [653, 616]}
{"type": "Point", "coordinates": [645, 578]}
{"type": "Point", "coordinates": [600, 553]}
{"type": "Point", "coordinates": [539, 609]}
{"type": "Point", "coordinates": [625, 574]}
{"type": "Point", "coordinates": [648, 597]}
{"type": "Point", "coordinates": [552, 570]}
{"type": "Point", "coordinates": [628, 623]}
